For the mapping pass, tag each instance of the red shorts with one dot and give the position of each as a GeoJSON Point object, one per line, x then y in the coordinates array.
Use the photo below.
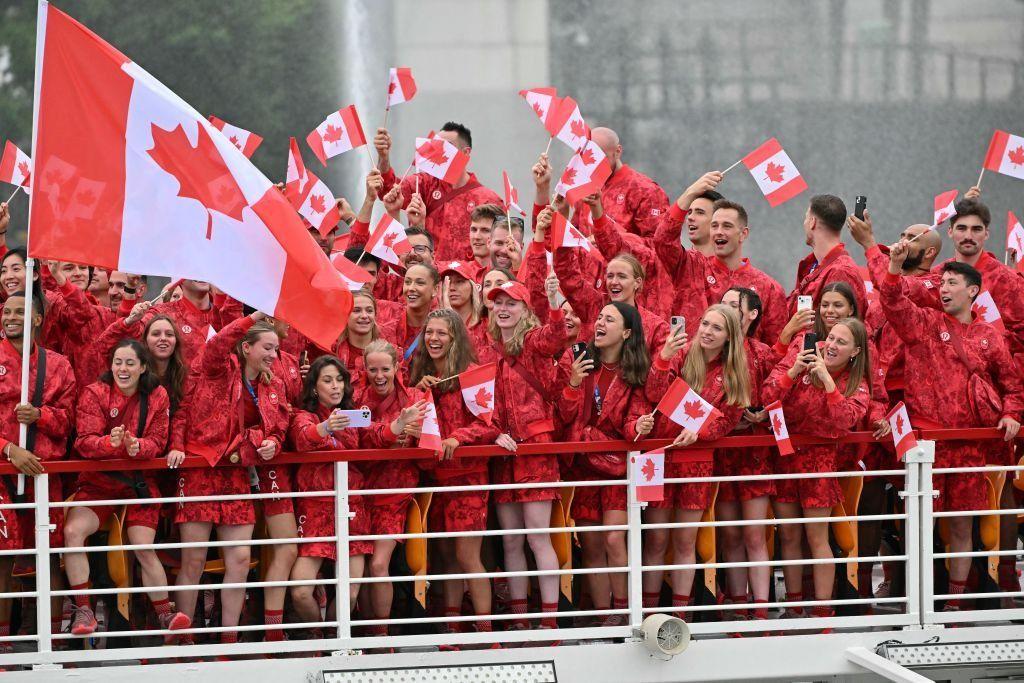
{"type": "Point", "coordinates": [210, 482]}
{"type": "Point", "coordinates": [384, 516]}
{"type": "Point", "coordinates": [695, 496]}
{"type": "Point", "coordinates": [810, 494]}
{"type": "Point", "coordinates": [276, 479]}
{"type": "Point", "coordinates": [961, 491]}
{"type": "Point", "coordinates": [17, 529]}
{"type": "Point", "coordinates": [105, 488]}
{"type": "Point", "coordinates": [743, 462]}
{"type": "Point", "coordinates": [589, 503]}
{"type": "Point", "coordinates": [315, 518]}
{"type": "Point", "coordinates": [526, 469]}
{"type": "Point", "coordinates": [460, 510]}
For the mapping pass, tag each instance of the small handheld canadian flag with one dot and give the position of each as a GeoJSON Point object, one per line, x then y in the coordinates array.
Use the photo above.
{"type": "Point", "coordinates": [401, 85]}
{"type": "Point", "coordinates": [1006, 154]}
{"type": "Point", "coordinates": [774, 172]}
{"type": "Point", "coordinates": [565, 122]}
{"type": "Point", "coordinates": [244, 140]}
{"type": "Point", "coordinates": [296, 179]}
{"type": "Point", "coordinates": [541, 100]}
{"type": "Point", "coordinates": [478, 390]}
{"type": "Point", "coordinates": [902, 433]}
{"type": "Point", "coordinates": [430, 432]}
{"type": "Point", "coordinates": [511, 195]}
{"type": "Point", "coordinates": [15, 167]}
{"type": "Point", "coordinates": [777, 419]}
{"type": "Point", "coordinates": [649, 475]}
{"type": "Point", "coordinates": [1014, 236]}
{"type": "Point", "coordinates": [685, 407]}
{"type": "Point", "coordinates": [585, 173]}
{"type": "Point", "coordinates": [441, 159]}
{"type": "Point", "coordinates": [354, 276]}
{"type": "Point", "coordinates": [984, 307]}
{"type": "Point", "coordinates": [319, 206]}
{"type": "Point", "coordinates": [340, 132]}
{"type": "Point", "coordinates": [565, 234]}
{"type": "Point", "coordinates": [945, 206]}
{"type": "Point", "coordinates": [388, 240]}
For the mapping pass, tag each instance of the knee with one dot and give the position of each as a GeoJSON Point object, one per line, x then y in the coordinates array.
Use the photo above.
{"type": "Point", "coordinates": [302, 594]}
{"type": "Point", "coordinates": [732, 535]}
{"type": "Point", "coordinates": [754, 538]}
{"type": "Point", "coordinates": [539, 543]}
{"type": "Point", "coordinates": [615, 542]}
{"type": "Point", "coordinates": [147, 558]}
{"type": "Point", "coordinates": [468, 558]}
{"type": "Point", "coordinates": [285, 554]}
{"type": "Point", "coordinates": [192, 564]}
{"type": "Point", "coordinates": [236, 563]}
{"type": "Point", "coordinates": [512, 544]}
{"type": "Point", "coordinates": [656, 543]}
{"type": "Point", "coordinates": [74, 534]}
{"type": "Point", "coordinates": [380, 566]}
{"type": "Point", "coordinates": [789, 535]}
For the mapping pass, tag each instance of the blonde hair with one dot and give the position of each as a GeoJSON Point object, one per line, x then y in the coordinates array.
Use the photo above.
{"type": "Point", "coordinates": [634, 264]}
{"type": "Point", "coordinates": [259, 328]}
{"type": "Point", "coordinates": [460, 353]}
{"type": "Point", "coordinates": [735, 372]}
{"type": "Point", "coordinates": [381, 346]}
{"type": "Point", "coordinates": [514, 346]}
{"type": "Point", "coordinates": [860, 365]}
{"type": "Point", "coordinates": [374, 331]}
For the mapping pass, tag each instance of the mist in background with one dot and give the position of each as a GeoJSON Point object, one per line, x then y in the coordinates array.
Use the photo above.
{"type": "Point", "coordinates": [893, 99]}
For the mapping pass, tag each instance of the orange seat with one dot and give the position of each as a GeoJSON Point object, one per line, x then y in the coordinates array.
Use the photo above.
{"type": "Point", "coordinates": [416, 548]}
{"type": "Point", "coordinates": [845, 533]}
{"type": "Point", "coordinates": [561, 516]}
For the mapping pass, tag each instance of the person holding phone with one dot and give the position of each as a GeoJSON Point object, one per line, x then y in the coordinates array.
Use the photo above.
{"type": "Point", "coordinates": [824, 392]}
{"type": "Point", "coordinates": [605, 400]}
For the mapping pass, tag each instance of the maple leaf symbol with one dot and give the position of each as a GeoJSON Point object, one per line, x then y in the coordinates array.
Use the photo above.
{"type": "Point", "coordinates": [1017, 155]}
{"type": "Point", "coordinates": [433, 152]}
{"type": "Point", "coordinates": [389, 240]}
{"type": "Point", "coordinates": [569, 177]}
{"type": "Point", "coordinates": [483, 398]}
{"type": "Point", "coordinates": [24, 169]}
{"type": "Point", "coordinates": [982, 311]}
{"type": "Point", "coordinates": [234, 141]}
{"type": "Point", "coordinates": [774, 171]}
{"type": "Point", "coordinates": [693, 409]}
{"type": "Point", "coordinates": [539, 110]}
{"type": "Point", "coordinates": [942, 217]}
{"type": "Point", "coordinates": [198, 171]}
{"type": "Point", "coordinates": [333, 133]}
{"type": "Point", "coordinates": [54, 177]}
{"type": "Point", "coordinates": [776, 426]}
{"type": "Point", "coordinates": [85, 198]}
{"type": "Point", "coordinates": [1020, 247]}
{"type": "Point", "coordinates": [576, 233]}
{"type": "Point", "coordinates": [587, 156]}
{"type": "Point", "coordinates": [316, 202]}
{"type": "Point", "coordinates": [578, 128]}
{"type": "Point", "coordinates": [899, 423]}
{"type": "Point", "coordinates": [649, 469]}
{"type": "Point", "coordinates": [391, 87]}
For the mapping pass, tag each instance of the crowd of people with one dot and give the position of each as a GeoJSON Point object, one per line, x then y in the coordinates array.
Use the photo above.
{"type": "Point", "coordinates": [585, 342]}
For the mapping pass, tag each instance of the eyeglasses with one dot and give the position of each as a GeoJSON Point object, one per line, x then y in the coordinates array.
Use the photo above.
{"type": "Point", "coordinates": [421, 249]}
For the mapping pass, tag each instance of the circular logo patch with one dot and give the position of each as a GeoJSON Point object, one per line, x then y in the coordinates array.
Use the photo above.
{"type": "Point", "coordinates": [711, 279]}
{"type": "Point", "coordinates": [187, 329]}
{"type": "Point", "coordinates": [3, 370]}
{"type": "Point", "coordinates": [114, 412]}
{"type": "Point", "coordinates": [944, 336]}
{"type": "Point", "coordinates": [807, 379]}
{"type": "Point", "coordinates": [435, 195]}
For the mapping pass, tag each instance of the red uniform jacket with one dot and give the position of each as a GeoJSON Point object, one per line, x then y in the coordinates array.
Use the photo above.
{"type": "Point", "coordinates": [73, 320]}
{"type": "Point", "coordinates": [193, 324]}
{"type": "Point", "coordinates": [612, 240]}
{"type": "Point", "coordinates": [456, 422]}
{"type": "Point", "coordinates": [631, 199]}
{"type": "Point", "coordinates": [320, 476]}
{"type": "Point", "coordinates": [448, 210]}
{"type": "Point", "coordinates": [837, 266]}
{"type": "Point", "coordinates": [617, 418]}
{"type": "Point", "coordinates": [386, 473]}
{"type": "Point", "coordinates": [661, 378]}
{"type": "Point", "coordinates": [57, 410]}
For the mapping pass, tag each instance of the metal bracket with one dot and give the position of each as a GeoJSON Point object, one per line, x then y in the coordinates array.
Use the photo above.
{"type": "Point", "coordinates": [915, 494]}
{"type": "Point", "coordinates": [920, 454]}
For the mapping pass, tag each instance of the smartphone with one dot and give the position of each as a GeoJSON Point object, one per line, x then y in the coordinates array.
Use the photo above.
{"type": "Point", "coordinates": [755, 409]}
{"type": "Point", "coordinates": [579, 349]}
{"type": "Point", "coordinates": [357, 418]}
{"type": "Point", "coordinates": [678, 322]}
{"type": "Point", "coordinates": [304, 358]}
{"type": "Point", "coordinates": [860, 204]}
{"type": "Point", "coordinates": [810, 342]}
{"type": "Point", "coordinates": [804, 303]}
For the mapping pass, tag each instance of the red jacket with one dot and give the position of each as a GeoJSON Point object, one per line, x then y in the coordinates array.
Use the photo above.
{"type": "Point", "coordinates": [661, 378]}
{"type": "Point", "coordinates": [384, 409]}
{"type": "Point", "coordinates": [305, 437]}
{"type": "Point", "coordinates": [633, 200]}
{"type": "Point", "coordinates": [1007, 289]}
{"type": "Point", "coordinates": [620, 409]}
{"type": "Point", "coordinates": [811, 411]}
{"type": "Point", "coordinates": [612, 240]}
{"type": "Point", "coordinates": [448, 210]}
{"type": "Point", "coordinates": [193, 324]}
{"type": "Point", "coordinates": [73, 320]}
{"type": "Point", "coordinates": [456, 422]}
{"type": "Point", "coordinates": [936, 379]}
{"type": "Point", "coordinates": [57, 410]}
{"type": "Point", "coordinates": [212, 410]}
{"type": "Point", "coordinates": [837, 266]}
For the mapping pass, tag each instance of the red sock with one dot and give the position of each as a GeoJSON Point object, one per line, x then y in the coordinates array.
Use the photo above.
{"type": "Point", "coordinates": [760, 612]}
{"type": "Point", "coordinates": [273, 617]}
{"type": "Point", "coordinates": [518, 607]}
{"type": "Point", "coordinates": [162, 606]}
{"type": "Point", "coordinates": [229, 637]}
{"type": "Point", "coordinates": [452, 626]}
{"type": "Point", "coordinates": [795, 597]}
{"type": "Point", "coordinates": [5, 628]}
{"type": "Point", "coordinates": [81, 600]}
{"type": "Point", "coordinates": [379, 630]}
{"type": "Point", "coordinates": [55, 624]}
{"type": "Point", "coordinates": [651, 599]}
{"type": "Point", "coordinates": [482, 625]}
{"type": "Point", "coordinates": [822, 611]}
{"type": "Point", "coordinates": [739, 600]}
{"type": "Point", "coordinates": [956, 588]}
{"type": "Point", "coordinates": [680, 601]}
{"type": "Point", "coordinates": [620, 603]}
{"type": "Point", "coordinates": [548, 622]}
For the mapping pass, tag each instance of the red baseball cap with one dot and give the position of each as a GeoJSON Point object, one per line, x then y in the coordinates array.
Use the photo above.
{"type": "Point", "coordinates": [513, 288]}
{"type": "Point", "coordinates": [467, 269]}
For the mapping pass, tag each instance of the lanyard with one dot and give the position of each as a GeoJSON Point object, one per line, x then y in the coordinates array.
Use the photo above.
{"type": "Point", "coordinates": [252, 392]}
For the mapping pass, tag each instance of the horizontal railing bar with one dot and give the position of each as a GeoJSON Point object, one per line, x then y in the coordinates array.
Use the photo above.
{"type": "Point", "coordinates": [771, 521]}
{"type": "Point", "coordinates": [977, 513]}
{"type": "Point", "coordinates": [487, 617]}
{"type": "Point", "coordinates": [971, 596]}
{"type": "Point", "coordinates": [977, 553]}
{"type": "Point", "coordinates": [115, 502]}
{"type": "Point", "coordinates": [194, 587]}
{"type": "Point", "coordinates": [985, 468]}
{"type": "Point", "coordinates": [201, 629]}
{"type": "Point", "coordinates": [771, 563]}
{"type": "Point", "coordinates": [193, 544]}
{"type": "Point", "coordinates": [771, 605]}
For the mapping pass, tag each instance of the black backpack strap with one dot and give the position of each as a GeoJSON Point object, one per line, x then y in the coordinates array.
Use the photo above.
{"type": "Point", "coordinates": [134, 479]}
{"type": "Point", "coordinates": [37, 395]}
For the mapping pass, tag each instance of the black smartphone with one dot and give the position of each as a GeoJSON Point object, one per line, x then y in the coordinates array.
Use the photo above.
{"type": "Point", "coordinates": [755, 409]}
{"type": "Point", "coordinates": [859, 205]}
{"type": "Point", "coordinates": [810, 341]}
{"type": "Point", "coordinates": [579, 349]}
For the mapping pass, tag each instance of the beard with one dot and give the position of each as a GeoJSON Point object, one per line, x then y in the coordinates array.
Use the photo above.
{"type": "Point", "coordinates": [913, 261]}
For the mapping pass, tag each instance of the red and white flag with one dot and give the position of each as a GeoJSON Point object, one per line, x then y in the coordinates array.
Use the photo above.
{"type": "Point", "coordinates": [585, 173]}
{"type": "Point", "coordinates": [902, 432]}
{"type": "Point", "coordinates": [685, 407]}
{"type": "Point", "coordinates": [945, 206]}
{"type": "Point", "coordinates": [296, 180]}
{"type": "Point", "coordinates": [319, 206]}
{"type": "Point", "coordinates": [354, 276]}
{"type": "Point", "coordinates": [774, 172]}
{"type": "Point", "coordinates": [541, 101]}
{"type": "Point", "coordinates": [430, 432]}
{"type": "Point", "coordinates": [565, 122]}
{"type": "Point", "coordinates": [339, 132]}
{"type": "Point", "coordinates": [177, 197]}
{"type": "Point", "coordinates": [869, 285]}
{"type": "Point", "coordinates": [511, 195]}
{"type": "Point", "coordinates": [649, 475]}
{"type": "Point", "coordinates": [1014, 236]}
{"type": "Point", "coordinates": [401, 85]}
{"type": "Point", "coordinates": [388, 241]}
{"type": "Point", "coordinates": [984, 307]}
{"type": "Point", "coordinates": [478, 390]}
{"type": "Point", "coordinates": [441, 159]}
{"type": "Point", "coordinates": [1006, 154]}
{"type": "Point", "coordinates": [777, 420]}
{"type": "Point", "coordinates": [565, 234]}
{"type": "Point", "coordinates": [244, 140]}
{"type": "Point", "coordinates": [16, 167]}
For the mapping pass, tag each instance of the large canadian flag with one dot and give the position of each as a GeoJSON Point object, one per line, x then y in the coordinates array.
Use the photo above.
{"type": "Point", "coordinates": [1006, 154]}
{"type": "Point", "coordinates": [777, 421]}
{"type": "Point", "coordinates": [984, 307]}
{"type": "Point", "coordinates": [16, 167]}
{"type": "Point", "coordinates": [478, 390]}
{"type": "Point", "coordinates": [565, 234]}
{"type": "Point", "coordinates": [177, 198]}
{"type": "Point", "coordinates": [565, 122]}
{"type": "Point", "coordinates": [430, 431]}
{"type": "Point", "coordinates": [541, 101]}
{"type": "Point", "coordinates": [649, 475]}
{"type": "Point", "coordinates": [388, 240]}
{"type": "Point", "coordinates": [319, 206]}
{"type": "Point", "coordinates": [244, 140]}
{"type": "Point", "coordinates": [585, 173]}
{"type": "Point", "coordinates": [902, 433]}
{"type": "Point", "coordinates": [441, 159]}
{"type": "Point", "coordinates": [339, 132]}
{"type": "Point", "coordinates": [685, 407]}
{"type": "Point", "coordinates": [1015, 236]}
{"type": "Point", "coordinates": [945, 206]}
{"type": "Point", "coordinates": [774, 172]}
{"type": "Point", "coordinates": [401, 85]}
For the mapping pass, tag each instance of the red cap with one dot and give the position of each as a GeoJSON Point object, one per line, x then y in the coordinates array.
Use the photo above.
{"type": "Point", "coordinates": [513, 288]}
{"type": "Point", "coordinates": [467, 269]}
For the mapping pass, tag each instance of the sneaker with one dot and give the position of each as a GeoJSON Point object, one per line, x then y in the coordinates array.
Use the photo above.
{"type": "Point", "coordinates": [884, 590]}
{"type": "Point", "coordinates": [83, 622]}
{"type": "Point", "coordinates": [174, 621]}
{"type": "Point", "coordinates": [614, 620]}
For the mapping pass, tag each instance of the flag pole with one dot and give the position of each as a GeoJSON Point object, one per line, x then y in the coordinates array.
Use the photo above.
{"type": "Point", "coordinates": [980, 176]}
{"type": "Point", "coordinates": [16, 189]}
{"type": "Point", "coordinates": [732, 167]}
{"type": "Point", "coordinates": [548, 148]}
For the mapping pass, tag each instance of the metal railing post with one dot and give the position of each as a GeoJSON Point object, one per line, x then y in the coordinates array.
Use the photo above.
{"type": "Point", "coordinates": [42, 537]}
{"type": "Point", "coordinates": [342, 568]}
{"type": "Point", "coordinates": [912, 538]}
{"type": "Point", "coordinates": [927, 527]}
{"type": "Point", "coordinates": [634, 549]}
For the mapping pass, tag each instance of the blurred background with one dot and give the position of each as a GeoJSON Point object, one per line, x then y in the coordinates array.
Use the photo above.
{"type": "Point", "coordinates": [893, 99]}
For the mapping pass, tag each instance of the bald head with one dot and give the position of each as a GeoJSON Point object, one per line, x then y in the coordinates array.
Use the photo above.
{"type": "Point", "coordinates": [608, 140]}
{"type": "Point", "coordinates": [924, 249]}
